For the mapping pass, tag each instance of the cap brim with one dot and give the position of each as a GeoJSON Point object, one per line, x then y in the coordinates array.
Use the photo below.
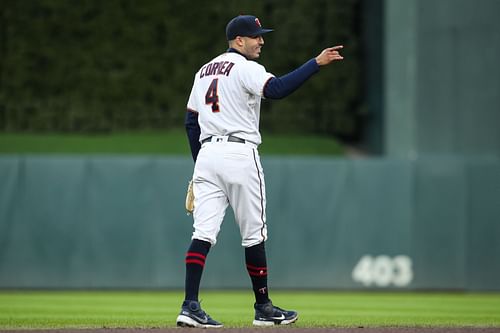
{"type": "Point", "coordinates": [264, 31]}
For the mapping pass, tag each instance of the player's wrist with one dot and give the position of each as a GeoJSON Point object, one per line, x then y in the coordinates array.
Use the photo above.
{"type": "Point", "coordinates": [318, 61]}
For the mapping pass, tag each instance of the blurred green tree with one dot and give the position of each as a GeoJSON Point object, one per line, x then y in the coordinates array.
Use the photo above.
{"type": "Point", "coordinates": [102, 66]}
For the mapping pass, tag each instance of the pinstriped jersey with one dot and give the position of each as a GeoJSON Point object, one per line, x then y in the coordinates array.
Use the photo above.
{"type": "Point", "coordinates": [227, 93]}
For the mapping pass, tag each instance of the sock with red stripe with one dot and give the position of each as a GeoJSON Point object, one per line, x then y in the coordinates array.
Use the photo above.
{"type": "Point", "coordinates": [195, 262]}
{"type": "Point", "coordinates": [255, 257]}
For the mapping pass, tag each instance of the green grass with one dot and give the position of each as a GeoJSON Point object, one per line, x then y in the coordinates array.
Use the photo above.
{"type": "Point", "coordinates": [173, 142]}
{"type": "Point", "coordinates": [97, 309]}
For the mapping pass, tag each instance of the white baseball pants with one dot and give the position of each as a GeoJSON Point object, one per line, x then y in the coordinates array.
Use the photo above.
{"type": "Point", "coordinates": [229, 173]}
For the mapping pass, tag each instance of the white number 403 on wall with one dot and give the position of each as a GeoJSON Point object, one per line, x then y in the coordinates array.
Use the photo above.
{"type": "Point", "coordinates": [383, 271]}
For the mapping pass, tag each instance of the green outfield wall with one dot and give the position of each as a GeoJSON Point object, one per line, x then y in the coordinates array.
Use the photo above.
{"type": "Point", "coordinates": [436, 89]}
{"type": "Point", "coordinates": [119, 222]}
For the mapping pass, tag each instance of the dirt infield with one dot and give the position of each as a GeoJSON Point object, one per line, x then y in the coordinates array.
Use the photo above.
{"type": "Point", "coordinates": [272, 330]}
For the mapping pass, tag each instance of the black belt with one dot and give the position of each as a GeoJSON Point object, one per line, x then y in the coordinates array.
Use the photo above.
{"type": "Point", "coordinates": [229, 139]}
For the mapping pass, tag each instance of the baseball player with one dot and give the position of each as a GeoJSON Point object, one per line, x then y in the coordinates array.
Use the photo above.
{"type": "Point", "coordinates": [222, 124]}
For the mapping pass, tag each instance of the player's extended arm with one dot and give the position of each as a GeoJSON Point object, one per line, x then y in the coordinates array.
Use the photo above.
{"type": "Point", "coordinates": [193, 132]}
{"type": "Point", "coordinates": [328, 55]}
{"type": "Point", "coordinates": [279, 87]}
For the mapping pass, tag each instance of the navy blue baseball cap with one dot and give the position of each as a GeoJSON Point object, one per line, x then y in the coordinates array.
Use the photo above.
{"type": "Point", "coordinates": [245, 26]}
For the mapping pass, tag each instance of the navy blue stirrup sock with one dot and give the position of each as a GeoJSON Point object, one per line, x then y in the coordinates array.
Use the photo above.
{"type": "Point", "coordinates": [195, 262]}
{"type": "Point", "coordinates": [255, 257]}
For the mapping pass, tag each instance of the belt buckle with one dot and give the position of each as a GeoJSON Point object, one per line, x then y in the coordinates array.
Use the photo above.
{"type": "Point", "coordinates": [215, 138]}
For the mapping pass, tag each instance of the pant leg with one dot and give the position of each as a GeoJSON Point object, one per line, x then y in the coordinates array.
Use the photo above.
{"type": "Point", "coordinates": [210, 202]}
{"type": "Point", "coordinates": [247, 194]}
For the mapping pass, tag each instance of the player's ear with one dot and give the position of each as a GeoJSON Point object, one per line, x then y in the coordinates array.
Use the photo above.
{"type": "Point", "coordinates": [239, 40]}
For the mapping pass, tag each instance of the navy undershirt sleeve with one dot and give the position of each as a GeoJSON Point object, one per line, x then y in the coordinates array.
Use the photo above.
{"type": "Point", "coordinates": [279, 87]}
{"type": "Point", "coordinates": [193, 132]}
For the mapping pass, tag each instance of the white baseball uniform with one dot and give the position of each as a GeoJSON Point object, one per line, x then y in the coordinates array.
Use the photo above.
{"type": "Point", "coordinates": [227, 93]}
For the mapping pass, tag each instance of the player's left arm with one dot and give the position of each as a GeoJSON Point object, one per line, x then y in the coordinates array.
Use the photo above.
{"type": "Point", "coordinates": [193, 132]}
{"type": "Point", "coordinates": [279, 87]}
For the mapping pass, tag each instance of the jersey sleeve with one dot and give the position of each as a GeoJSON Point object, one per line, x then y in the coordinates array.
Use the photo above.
{"type": "Point", "coordinates": [283, 86]}
{"type": "Point", "coordinates": [191, 104]}
{"type": "Point", "coordinates": [191, 123]}
{"type": "Point", "coordinates": [193, 132]}
{"type": "Point", "coordinates": [254, 77]}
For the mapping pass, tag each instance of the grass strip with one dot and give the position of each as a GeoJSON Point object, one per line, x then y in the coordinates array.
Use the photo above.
{"type": "Point", "coordinates": [173, 142]}
{"type": "Point", "coordinates": [139, 309]}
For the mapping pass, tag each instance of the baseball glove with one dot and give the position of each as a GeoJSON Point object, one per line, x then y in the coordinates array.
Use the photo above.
{"type": "Point", "coordinates": [190, 198]}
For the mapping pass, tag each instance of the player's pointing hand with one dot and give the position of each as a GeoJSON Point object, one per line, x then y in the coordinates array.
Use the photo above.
{"type": "Point", "coordinates": [329, 54]}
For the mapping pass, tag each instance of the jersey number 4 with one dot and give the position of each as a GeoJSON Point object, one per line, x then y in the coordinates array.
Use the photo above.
{"type": "Point", "coordinates": [211, 96]}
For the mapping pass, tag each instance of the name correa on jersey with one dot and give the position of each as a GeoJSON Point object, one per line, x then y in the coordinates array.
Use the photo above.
{"type": "Point", "coordinates": [217, 68]}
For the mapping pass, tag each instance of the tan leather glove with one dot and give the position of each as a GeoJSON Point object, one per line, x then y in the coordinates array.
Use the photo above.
{"type": "Point", "coordinates": [190, 198]}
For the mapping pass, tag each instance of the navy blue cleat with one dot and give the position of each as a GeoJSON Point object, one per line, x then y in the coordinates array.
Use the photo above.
{"type": "Point", "coordinates": [270, 315]}
{"type": "Point", "coordinates": [193, 316]}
